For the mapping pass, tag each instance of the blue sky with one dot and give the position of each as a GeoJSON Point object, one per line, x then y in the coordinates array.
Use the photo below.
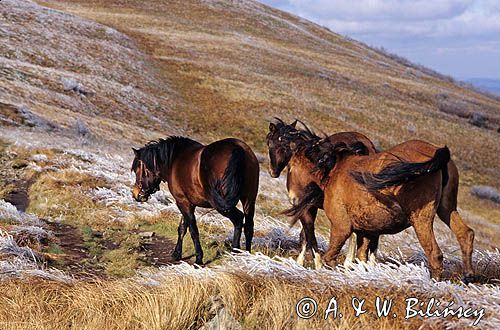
{"type": "Point", "coordinates": [456, 37]}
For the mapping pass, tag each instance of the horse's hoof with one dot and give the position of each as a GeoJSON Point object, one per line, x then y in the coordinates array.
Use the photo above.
{"type": "Point", "coordinates": [177, 255]}
{"type": "Point", "coordinates": [468, 279]}
{"type": "Point", "coordinates": [199, 262]}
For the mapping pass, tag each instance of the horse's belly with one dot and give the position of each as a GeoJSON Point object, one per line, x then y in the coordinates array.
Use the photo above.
{"type": "Point", "coordinates": [380, 222]}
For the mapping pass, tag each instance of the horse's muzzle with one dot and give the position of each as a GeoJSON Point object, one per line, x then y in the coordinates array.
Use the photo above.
{"type": "Point", "coordinates": [141, 198]}
{"type": "Point", "coordinates": [138, 195]}
{"type": "Point", "coordinates": [273, 173]}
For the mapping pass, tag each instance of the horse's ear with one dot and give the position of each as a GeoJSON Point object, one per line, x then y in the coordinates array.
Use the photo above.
{"type": "Point", "coordinates": [136, 152]}
{"type": "Point", "coordinates": [294, 124]}
{"type": "Point", "coordinates": [272, 127]}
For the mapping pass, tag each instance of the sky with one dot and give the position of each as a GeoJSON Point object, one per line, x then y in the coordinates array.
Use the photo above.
{"type": "Point", "coordinates": [460, 38]}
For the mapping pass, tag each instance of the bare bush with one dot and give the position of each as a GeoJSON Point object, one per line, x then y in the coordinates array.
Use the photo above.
{"type": "Point", "coordinates": [486, 192]}
{"type": "Point", "coordinates": [478, 119]}
{"type": "Point", "coordinates": [81, 129]}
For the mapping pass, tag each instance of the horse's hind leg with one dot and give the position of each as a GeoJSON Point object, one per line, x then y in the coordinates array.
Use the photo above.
{"type": "Point", "coordinates": [236, 217]}
{"type": "Point", "coordinates": [465, 237]}
{"type": "Point", "coordinates": [422, 221]}
{"type": "Point", "coordinates": [249, 211]}
{"type": "Point", "coordinates": [447, 212]}
{"type": "Point", "coordinates": [339, 233]}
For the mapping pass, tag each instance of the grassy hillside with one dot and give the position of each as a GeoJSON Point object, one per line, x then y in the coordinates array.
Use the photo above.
{"type": "Point", "coordinates": [235, 64]}
{"type": "Point", "coordinates": [81, 84]}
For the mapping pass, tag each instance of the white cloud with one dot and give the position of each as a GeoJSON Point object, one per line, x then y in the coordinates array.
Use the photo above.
{"type": "Point", "coordinates": [451, 25]}
{"type": "Point", "coordinates": [378, 9]}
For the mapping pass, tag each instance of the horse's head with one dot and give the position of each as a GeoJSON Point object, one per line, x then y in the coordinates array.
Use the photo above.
{"type": "Point", "coordinates": [280, 144]}
{"type": "Point", "coordinates": [147, 180]}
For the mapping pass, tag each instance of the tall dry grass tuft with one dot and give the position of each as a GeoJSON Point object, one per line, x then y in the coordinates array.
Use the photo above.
{"type": "Point", "coordinates": [178, 303]}
{"type": "Point", "coordinates": [247, 292]}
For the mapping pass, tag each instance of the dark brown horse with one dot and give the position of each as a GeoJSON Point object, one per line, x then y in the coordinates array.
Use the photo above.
{"type": "Point", "coordinates": [216, 176]}
{"type": "Point", "coordinates": [387, 192]}
{"type": "Point", "coordinates": [288, 147]}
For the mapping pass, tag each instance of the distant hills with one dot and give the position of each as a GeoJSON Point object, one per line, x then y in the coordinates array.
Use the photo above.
{"type": "Point", "coordinates": [487, 84]}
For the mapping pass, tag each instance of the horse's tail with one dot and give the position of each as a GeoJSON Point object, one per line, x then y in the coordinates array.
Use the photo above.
{"type": "Point", "coordinates": [401, 172]}
{"type": "Point", "coordinates": [313, 196]}
{"type": "Point", "coordinates": [226, 191]}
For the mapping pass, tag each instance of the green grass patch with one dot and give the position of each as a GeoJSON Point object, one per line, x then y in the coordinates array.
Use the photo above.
{"type": "Point", "coordinates": [121, 262]}
{"type": "Point", "coordinates": [166, 224]}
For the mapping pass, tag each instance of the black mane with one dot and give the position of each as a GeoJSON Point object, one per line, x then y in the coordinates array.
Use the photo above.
{"type": "Point", "coordinates": [160, 153]}
{"type": "Point", "coordinates": [318, 150]}
{"type": "Point", "coordinates": [324, 155]}
{"type": "Point", "coordinates": [300, 137]}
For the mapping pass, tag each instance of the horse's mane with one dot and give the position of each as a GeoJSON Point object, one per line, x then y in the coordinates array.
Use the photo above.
{"type": "Point", "coordinates": [290, 133]}
{"type": "Point", "coordinates": [324, 155]}
{"type": "Point", "coordinates": [159, 153]}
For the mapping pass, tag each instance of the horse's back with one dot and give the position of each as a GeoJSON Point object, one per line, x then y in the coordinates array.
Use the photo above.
{"type": "Point", "coordinates": [222, 150]}
{"type": "Point", "coordinates": [414, 151]}
{"type": "Point", "coordinates": [350, 138]}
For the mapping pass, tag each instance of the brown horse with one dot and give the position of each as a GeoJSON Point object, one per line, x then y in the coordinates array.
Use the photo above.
{"type": "Point", "coordinates": [216, 176]}
{"type": "Point", "coordinates": [288, 147]}
{"type": "Point", "coordinates": [387, 192]}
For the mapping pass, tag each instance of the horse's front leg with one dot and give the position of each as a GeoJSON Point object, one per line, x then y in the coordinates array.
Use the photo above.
{"type": "Point", "coordinates": [181, 232]}
{"type": "Point", "coordinates": [190, 221]}
{"type": "Point", "coordinates": [310, 243]}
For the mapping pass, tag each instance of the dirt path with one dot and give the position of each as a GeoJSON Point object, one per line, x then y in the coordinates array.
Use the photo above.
{"type": "Point", "coordinates": [157, 251]}
{"type": "Point", "coordinates": [19, 195]}
{"type": "Point", "coordinates": [75, 256]}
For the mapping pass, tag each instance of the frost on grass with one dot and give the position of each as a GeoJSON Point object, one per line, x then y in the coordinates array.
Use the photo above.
{"type": "Point", "coordinates": [53, 59]}
{"type": "Point", "coordinates": [16, 258]}
{"type": "Point", "coordinates": [22, 262]}
{"type": "Point", "coordinates": [8, 212]}
{"type": "Point", "coordinates": [382, 277]}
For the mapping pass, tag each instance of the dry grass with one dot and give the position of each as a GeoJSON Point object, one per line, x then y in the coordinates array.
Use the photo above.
{"type": "Point", "coordinates": [180, 302]}
{"type": "Point", "coordinates": [62, 194]}
{"type": "Point", "coordinates": [187, 298]}
{"type": "Point", "coordinates": [103, 305]}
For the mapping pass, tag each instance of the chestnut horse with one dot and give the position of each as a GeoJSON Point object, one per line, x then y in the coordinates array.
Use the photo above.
{"type": "Point", "coordinates": [288, 147]}
{"type": "Point", "coordinates": [216, 176]}
{"type": "Point", "coordinates": [387, 192]}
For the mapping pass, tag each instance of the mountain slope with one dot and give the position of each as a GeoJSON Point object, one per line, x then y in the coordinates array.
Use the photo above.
{"type": "Point", "coordinates": [236, 64]}
{"type": "Point", "coordinates": [59, 68]}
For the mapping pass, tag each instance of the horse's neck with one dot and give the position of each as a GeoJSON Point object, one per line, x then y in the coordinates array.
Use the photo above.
{"type": "Point", "coordinates": [300, 165]}
{"type": "Point", "coordinates": [179, 153]}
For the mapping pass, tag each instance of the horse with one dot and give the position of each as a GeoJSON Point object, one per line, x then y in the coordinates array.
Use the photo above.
{"type": "Point", "coordinates": [288, 147]}
{"type": "Point", "coordinates": [387, 192]}
{"type": "Point", "coordinates": [217, 175]}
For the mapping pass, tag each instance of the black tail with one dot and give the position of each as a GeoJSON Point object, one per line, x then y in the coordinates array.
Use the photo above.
{"type": "Point", "coordinates": [313, 196]}
{"type": "Point", "coordinates": [226, 192]}
{"type": "Point", "coordinates": [401, 172]}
